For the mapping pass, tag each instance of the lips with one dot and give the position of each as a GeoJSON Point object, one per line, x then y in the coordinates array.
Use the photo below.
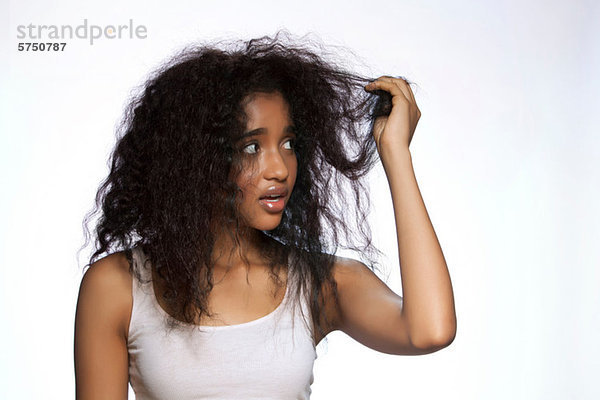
{"type": "Point", "coordinates": [274, 192]}
{"type": "Point", "coordinates": [273, 199]}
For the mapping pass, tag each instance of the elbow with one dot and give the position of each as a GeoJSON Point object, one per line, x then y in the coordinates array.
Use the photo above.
{"type": "Point", "coordinates": [445, 338]}
{"type": "Point", "coordinates": [434, 341]}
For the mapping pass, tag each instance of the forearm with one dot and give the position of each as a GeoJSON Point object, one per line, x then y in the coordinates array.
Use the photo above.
{"type": "Point", "coordinates": [428, 302]}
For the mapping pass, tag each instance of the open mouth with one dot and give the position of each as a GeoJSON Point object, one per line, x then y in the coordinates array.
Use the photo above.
{"type": "Point", "coordinates": [271, 199]}
{"type": "Point", "coordinates": [272, 204]}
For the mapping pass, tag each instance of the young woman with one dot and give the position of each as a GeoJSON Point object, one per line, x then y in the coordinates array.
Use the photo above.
{"type": "Point", "coordinates": [226, 201]}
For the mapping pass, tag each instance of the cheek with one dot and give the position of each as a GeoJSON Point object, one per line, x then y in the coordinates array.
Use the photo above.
{"type": "Point", "coordinates": [246, 182]}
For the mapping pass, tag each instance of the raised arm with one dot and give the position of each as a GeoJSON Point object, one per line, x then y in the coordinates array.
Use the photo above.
{"type": "Point", "coordinates": [423, 320]}
{"type": "Point", "coordinates": [101, 324]}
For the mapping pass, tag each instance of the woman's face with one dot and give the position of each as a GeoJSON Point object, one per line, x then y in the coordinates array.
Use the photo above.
{"type": "Point", "coordinates": [267, 159]}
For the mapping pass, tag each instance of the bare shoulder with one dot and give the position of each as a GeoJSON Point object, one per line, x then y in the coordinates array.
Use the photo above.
{"type": "Point", "coordinates": [101, 329]}
{"type": "Point", "coordinates": [110, 270]}
{"type": "Point", "coordinates": [369, 311]}
{"type": "Point", "coordinates": [346, 270]}
{"type": "Point", "coordinates": [353, 280]}
{"type": "Point", "coordinates": [105, 290]}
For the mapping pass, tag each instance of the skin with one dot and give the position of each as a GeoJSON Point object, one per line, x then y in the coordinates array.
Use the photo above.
{"type": "Point", "coordinates": [244, 292]}
{"type": "Point", "coordinates": [421, 322]}
{"type": "Point", "coordinates": [424, 320]}
{"type": "Point", "coordinates": [267, 159]}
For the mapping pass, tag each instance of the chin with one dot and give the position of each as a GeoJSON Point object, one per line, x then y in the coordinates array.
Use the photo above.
{"type": "Point", "coordinates": [268, 224]}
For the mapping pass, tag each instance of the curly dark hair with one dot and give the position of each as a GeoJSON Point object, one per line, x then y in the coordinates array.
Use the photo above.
{"type": "Point", "coordinates": [169, 179]}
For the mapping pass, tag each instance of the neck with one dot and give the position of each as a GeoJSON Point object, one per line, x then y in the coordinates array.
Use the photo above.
{"type": "Point", "coordinates": [227, 253]}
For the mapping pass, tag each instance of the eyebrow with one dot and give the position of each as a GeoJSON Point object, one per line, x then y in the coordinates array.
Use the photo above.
{"type": "Point", "coordinates": [261, 131]}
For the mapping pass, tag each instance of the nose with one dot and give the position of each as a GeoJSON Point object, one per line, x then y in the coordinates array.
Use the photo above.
{"type": "Point", "coordinates": [275, 166]}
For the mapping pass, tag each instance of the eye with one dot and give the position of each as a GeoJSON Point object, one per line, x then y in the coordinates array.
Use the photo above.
{"type": "Point", "coordinates": [290, 144]}
{"type": "Point", "coordinates": [251, 148]}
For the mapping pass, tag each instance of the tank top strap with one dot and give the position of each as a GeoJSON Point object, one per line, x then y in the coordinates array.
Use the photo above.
{"type": "Point", "coordinates": [141, 264]}
{"type": "Point", "coordinates": [142, 293]}
{"type": "Point", "coordinates": [300, 308]}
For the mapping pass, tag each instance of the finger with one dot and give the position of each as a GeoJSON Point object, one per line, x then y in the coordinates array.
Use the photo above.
{"type": "Point", "coordinates": [388, 86]}
{"type": "Point", "coordinates": [409, 90]}
{"type": "Point", "coordinates": [386, 78]}
{"type": "Point", "coordinates": [406, 89]}
{"type": "Point", "coordinates": [404, 85]}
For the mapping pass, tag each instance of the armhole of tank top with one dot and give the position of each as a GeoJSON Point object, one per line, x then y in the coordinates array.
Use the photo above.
{"type": "Point", "coordinates": [304, 312]}
{"type": "Point", "coordinates": [135, 291]}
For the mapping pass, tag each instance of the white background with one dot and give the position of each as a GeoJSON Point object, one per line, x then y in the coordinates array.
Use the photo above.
{"type": "Point", "coordinates": [506, 156]}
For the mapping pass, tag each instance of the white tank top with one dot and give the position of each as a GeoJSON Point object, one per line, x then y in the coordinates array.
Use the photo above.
{"type": "Point", "coordinates": [268, 358]}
